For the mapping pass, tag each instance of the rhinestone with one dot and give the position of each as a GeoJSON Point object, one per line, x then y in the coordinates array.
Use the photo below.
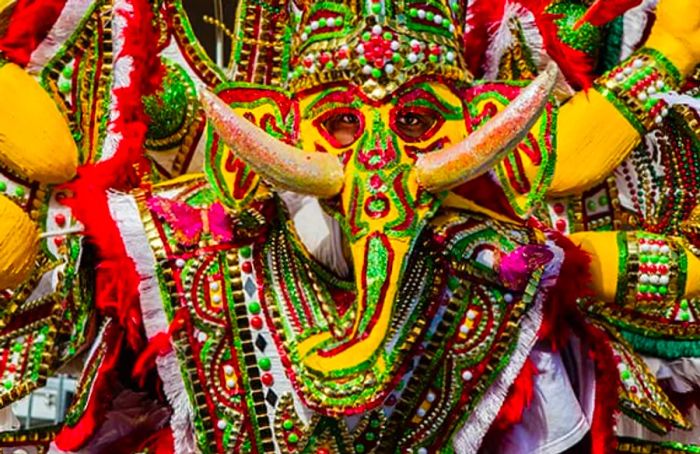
{"type": "Point", "coordinates": [638, 63]}
{"type": "Point", "coordinates": [202, 337]}
{"type": "Point", "coordinates": [214, 286]}
{"type": "Point", "coordinates": [467, 375]}
{"type": "Point", "coordinates": [420, 412]}
{"type": "Point", "coordinates": [430, 397]}
{"type": "Point", "coordinates": [422, 451]}
{"type": "Point", "coordinates": [221, 424]}
{"type": "Point", "coordinates": [250, 287]}
{"type": "Point", "coordinates": [179, 263]}
{"type": "Point", "coordinates": [471, 315]}
{"type": "Point", "coordinates": [464, 329]}
{"type": "Point", "coordinates": [304, 36]}
{"type": "Point", "coordinates": [395, 45]}
{"type": "Point", "coordinates": [508, 298]}
{"type": "Point", "coordinates": [216, 298]}
{"type": "Point", "coordinates": [314, 25]}
{"type": "Point", "coordinates": [437, 19]}
{"type": "Point", "coordinates": [228, 369]}
{"type": "Point", "coordinates": [260, 342]}
{"type": "Point", "coordinates": [421, 13]}
{"type": "Point", "coordinates": [330, 22]}
{"type": "Point", "coordinates": [230, 383]}
{"type": "Point", "coordinates": [271, 397]}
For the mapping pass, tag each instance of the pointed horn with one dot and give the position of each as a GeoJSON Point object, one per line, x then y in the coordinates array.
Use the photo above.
{"type": "Point", "coordinates": [283, 166]}
{"type": "Point", "coordinates": [480, 151]}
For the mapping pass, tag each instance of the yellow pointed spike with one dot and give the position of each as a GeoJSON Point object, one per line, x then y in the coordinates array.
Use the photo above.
{"type": "Point", "coordinates": [19, 244]}
{"type": "Point", "coordinates": [35, 140]}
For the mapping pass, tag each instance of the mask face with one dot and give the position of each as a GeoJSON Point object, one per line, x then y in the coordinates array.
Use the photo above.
{"type": "Point", "coordinates": [382, 211]}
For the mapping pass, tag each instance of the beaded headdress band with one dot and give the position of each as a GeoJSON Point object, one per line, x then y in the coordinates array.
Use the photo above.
{"type": "Point", "coordinates": [376, 44]}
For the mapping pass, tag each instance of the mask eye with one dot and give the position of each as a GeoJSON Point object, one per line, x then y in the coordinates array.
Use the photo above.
{"type": "Point", "coordinates": [342, 127]}
{"type": "Point", "coordinates": [416, 123]}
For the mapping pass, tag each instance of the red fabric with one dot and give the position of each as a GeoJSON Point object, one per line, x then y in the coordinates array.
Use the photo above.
{"type": "Point", "coordinates": [574, 282]}
{"type": "Point", "coordinates": [159, 443]}
{"type": "Point", "coordinates": [518, 400]}
{"type": "Point", "coordinates": [72, 438]}
{"type": "Point", "coordinates": [603, 11]}
{"type": "Point", "coordinates": [30, 22]}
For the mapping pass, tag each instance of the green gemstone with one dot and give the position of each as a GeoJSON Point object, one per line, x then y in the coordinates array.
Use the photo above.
{"type": "Point", "coordinates": [265, 363]}
{"type": "Point", "coordinates": [591, 205]}
{"type": "Point", "coordinates": [452, 283]}
{"type": "Point", "coordinates": [625, 375]}
{"type": "Point", "coordinates": [8, 384]}
{"type": "Point", "coordinates": [363, 61]}
{"type": "Point", "coordinates": [254, 307]}
{"type": "Point", "coordinates": [64, 86]}
{"type": "Point", "coordinates": [374, 423]}
{"type": "Point", "coordinates": [288, 424]}
{"type": "Point", "coordinates": [413, 12]}
{"type": "Point", "coordinates": [329, 65]}
{"type": "Point", "coordinates": [684, 304]}
{"type": "Point", "coordinates": [293, 438]}
{"type": "Point", "coordinates": [67, 71]}
{"type": "Point", "coordinates": [643, 288]}
{"type": "Point", "coordinates": [322, 22]}
{"type": "Point", "coordinates": [17, 348]}
{"type": "Point", "coordinates": [664, 259]}
{"type": "Point", "coordinates": [603, 200]}
{"type": "Point", "coordinates": [654, 258]}
{"type": "Point", "coordinates": [644, 258]}
{"type": "Point", "coordinates": [366, 36]}
{"type": "Point", "coordinates": [3, 186]}
{"type": "Point", "coordinates": [376, 73]}
{"type": "Point", "coordinates": [396, 58]}
{"type": "Point", "coordinates": [307, 30]}
{"type": "Point", "coordinates": [339, 21]}
{"type": "Point", "coordinates": [430, 16]}
{"type": "Point", "coordinates": [376, 8]}
{"type": "Point", "coordinates": [246, 252]}
{"type": "Point", "coordinates": [19, 192]}
{"type": "Point", "coordinates": [360, 448]}
{"type": "Point", "coordinates": [663, 289]}
{"type": "Point", "coordinates": [685, 316]}
{"type": "Point", "coordinates": [370, 436]}
{"type": "Point", "coordinates": [388, 36]}
{"type": "Point", "coordinates": [433, 58]}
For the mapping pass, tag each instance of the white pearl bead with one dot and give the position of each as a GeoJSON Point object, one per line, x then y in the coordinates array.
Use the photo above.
{"type": "Point", "coordinates": [179, 263]}
{"type": "Point", "coordinates": [230, 383]}
{"type": "Point", "coordinates": [216, 298]}
{"type": "Point", "coordinates": [377, 29]}
{"type": "Point", "coordinates": [651, 90]}
{"type": "Point", "coordinates": [638, 63]}
{"type": "Point", "coordinates": [471, 315]}
{"type": "Point", "coordinates": [452, 28]}
{"type": "Point", "coordinates": [508, 298]}
{"type": "Point", "coordinates": [314, 25]}
{"type": "Point", "coordinates": [655, 248]}
{"type": "Point", "coordinates": [644, 278]}
{"type": "Point", "coordinates": [389, 68]}
{"type": "Point", "coordinates": [202, 337]}
{"type": "Point", "coordinates": [467, 375]}
{"type": "Point", "coordinates": [654, 278]}
{"type": "Point", "coordinates": [627, 71]}
{"type": "Point", "coordinates": [644, 247]}
{"type": "Point", "coordinates": [304, 36]}
{"type": "Point", "coordinates": [344, 63]}
{"type": "Point", "coordinates": [663, 280]}
{"type": "Point", "coordinates": [665, 249]}
{"type": "Point", "coordinates": [395, 45]}
{"type": "Point", "coordinates": [360, 49]}
{"type": "Point", "coordinates": [214, 286]}
{"type": "Point", "coordinates": [642, 96]}
{"type": "Point", "coordinates": [421, 13]}
{"type": "Point", "coordinates": [437, 19]}
{"type": "Point", "coordinates": [330, 22]}
{"type": "Point", "coordinates": [450, 56]}
{"type": "Point", "coordinates": [221, 424]}
{"type": "Point", "coordinates": [619, 77]}
{"type": "Point", "coordinates": [422, 451]}
{"type": "Point", "coordinates": [228, 369]}
{"type": "Point", "coordinates": [412, 57]}
{"type": "Point", "coordinates": [366, 69]}
{"type": "Point", "coordinates": [660, 84]}
{"type": "Point", "coordinates": [464, 329]}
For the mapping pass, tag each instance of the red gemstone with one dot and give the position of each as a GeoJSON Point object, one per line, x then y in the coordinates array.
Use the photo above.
{"type": "Point", "coordinates": [378, 63]}
{"type": "Point", "coordinates": [325, 58]}
{"type": "Point", "coordinates": [322, 451]}
{"type": "Point", "coordinates": [617, 359]}
{"type": "Point", "coordinates": [663, 269]}
{"type": "Point", "coordinates": [11, 367]}
{"type": "Point", "coordinates": [561, 225]}
{"type": "Point", "coordinates": [558, 208]}
{"type": "Point", "coordinates": [375, 181]}
{"type": "Point", "coordinates": [60, 219]}
{"type": "Point", "coordinates": [435, 50]}
{"type": "Point", "coordinates": [633, 389]}
{"type": "Point", "coordinates": [58, 241]}
{"type": "Point", "coordinates": [415, 48]}
{"type": "Point", "coordinates": [256, 322]}
{"type": "Point", "coordinates": [342, 53]}
{"type": "Point", "coordinates": [388, 53]}
{"type": "Point", "coordinates": [267, 379]}
{"type": "Point", "coordinates": [246, 267]}
{"type": "Point", "coordinates": [307, 62]}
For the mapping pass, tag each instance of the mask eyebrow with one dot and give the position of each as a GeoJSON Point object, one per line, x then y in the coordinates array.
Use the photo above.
{"type": "Point", "coordinates": [422, 94]}
{"type": "Point", "coordinates": [336, 96]}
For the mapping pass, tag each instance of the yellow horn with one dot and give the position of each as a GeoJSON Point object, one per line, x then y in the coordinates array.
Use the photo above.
{"type": "Point", "coordinates": [475, 155]}
{"type": "Point", "coordinates": [34, 137]}
{"type": "Point", "coordinates": [19, 244]}
{"type": "Point", "coordinates": [282, 165]}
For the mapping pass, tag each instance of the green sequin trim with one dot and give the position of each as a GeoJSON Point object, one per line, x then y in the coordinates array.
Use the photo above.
{"type": "Point", "coordinates": [662, 348]}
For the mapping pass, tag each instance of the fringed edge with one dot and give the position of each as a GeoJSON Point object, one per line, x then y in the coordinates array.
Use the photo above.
{"type": "Point", "coordinates": [635, 27]}
{"type": "Point", "coordinates": [126, 215]}
{"type": "Point", "coordinates": [73, 13]}
{"type": "Point", "coordinates": [469, 438]}
{"type": "Point", "coordinates": [502, 39]}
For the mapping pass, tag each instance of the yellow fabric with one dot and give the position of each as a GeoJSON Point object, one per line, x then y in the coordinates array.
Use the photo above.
{"type": "Point", "coordinates": [676, 33]}
{"type": "Point", "coordinates": [34, 137]}
{"type": "Point", "coordinates": [593, 138]}
{"type": "Point", "coordinates": [19, 244]}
